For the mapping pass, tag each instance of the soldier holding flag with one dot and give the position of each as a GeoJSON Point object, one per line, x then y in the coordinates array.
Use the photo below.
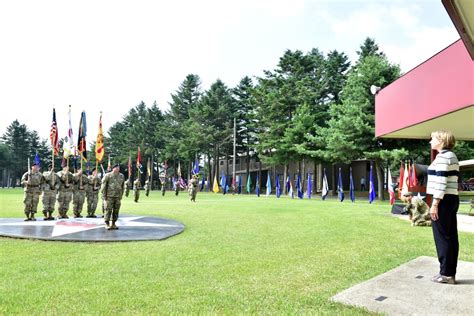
{"type": "Point", "coordinates": [94, 180]}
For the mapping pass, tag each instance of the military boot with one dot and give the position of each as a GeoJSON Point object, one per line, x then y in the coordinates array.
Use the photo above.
{"type": "Point", "coordinates": [107, 225]}
{"type": "Point", "coordinates": [32, 216]}
{"type": "Point", "coordinates": [27, 217]}
{"type": "Point", "coordinates": [114, 226]}
{"type": "Point", "coordinates": [45, 217]}
{"type": "Point", "coordinates": [50, 216]}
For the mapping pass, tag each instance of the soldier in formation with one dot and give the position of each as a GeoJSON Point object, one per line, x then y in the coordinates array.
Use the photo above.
{"type": "Point", "coordinates": [93, 193]}
{"type": "Point", "coordinates": [418, 211]}
{"type": "Point", "coordinates": [31, 182]}
{"type": "Point", "coordinates": [65, 191]}
{"type": "Point", "coordinates": [147, 187]}
{"type": "Point", "coordinates": [49, 188]}
{"type": "Point", "coordinates": [136, 189]}
{"type": "Point", "coordinates": [79, 192]}
{"type": "Point", "coordinates": [163, 185]}
{"type": "Point", "coordinates": [192, 187]}
{"type": "Point", "coordinates": [176, 187]}
{"type": "Point", "coordinates": [128, 185]}
{"type": "Point", "coordinates": [113, 186]}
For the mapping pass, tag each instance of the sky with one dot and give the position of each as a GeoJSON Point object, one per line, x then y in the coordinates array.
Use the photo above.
{"type": "Point", "coordinates": [110, 55]}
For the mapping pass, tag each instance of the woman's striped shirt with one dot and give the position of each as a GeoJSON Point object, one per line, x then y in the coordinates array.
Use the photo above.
{"type": "Point", "coordinates": [443, 175]}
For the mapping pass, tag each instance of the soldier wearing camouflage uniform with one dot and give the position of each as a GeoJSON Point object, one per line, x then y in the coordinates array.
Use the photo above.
{"type": "Point", "coordinates": [112, 190]}
{"type": "Point", "coordinates": [93, 193]}
{"type": "Point", "coordinates": [65, 191]}
{"type": "Point", "coordinates": [79, 192]}
{"type": "Point", "coordinates": [50, 188]}
{"type": "Point", "coordinates": [136, 189]}
{"type": "Point", "coordinates": [147, 187]}
{"type": "Point", "coordinates": [32, 181]}
{"type": "Point", "coordinates": [418, 210]}
{"type": "Point", "coordinates": [128, 185]}
{"type": "Point", "coordinates": [163, 186]}
{"type": "Point", "coordinates": [192, 188]}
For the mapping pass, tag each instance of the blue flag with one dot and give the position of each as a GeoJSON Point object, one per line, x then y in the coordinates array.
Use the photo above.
{"type": "Point", "coordinates": [309, 187]}
{"type": "Point", "coordinates": [257, 187]}
{"type": "Point", "coordinates": [277, 187]}
{"type": "Point", "coordinates": [37, 160]}
{"type": "Point", "coordinates": [223, 183]}
{"type": "Point", "coordinates": [196, 167]}
{"type": "Point", "coordinates": [269, 185]}
{"type": "Point", "coordinates": [288, 183]}
{"type": "Point", "coordinates": [325, 189]}
{"type": "Point", "coordinates": [239, 185]}
{"type": "Point", "coordinates": [371, 186]}
{"type": "Point", "coordinates": [351, 186]}
{"type": "Point", "coordinates": [340, 190]}
{"type": "Point", "coordinates": [299, 187]}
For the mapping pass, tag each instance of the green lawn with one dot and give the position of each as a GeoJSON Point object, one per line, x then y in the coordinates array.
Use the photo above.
{"type": "Point", "coordinates": [237, 255]}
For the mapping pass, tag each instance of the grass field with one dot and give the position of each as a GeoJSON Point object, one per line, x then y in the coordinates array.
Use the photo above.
{"type": "Point", "coordinates": [237, 255]}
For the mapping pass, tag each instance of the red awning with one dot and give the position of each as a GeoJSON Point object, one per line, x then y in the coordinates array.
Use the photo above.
{"type": "Point", "coordinates": [437, 94]}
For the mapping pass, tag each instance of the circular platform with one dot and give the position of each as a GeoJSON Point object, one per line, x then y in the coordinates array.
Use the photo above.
{"type": "Point", "coordinates": [131, 228]}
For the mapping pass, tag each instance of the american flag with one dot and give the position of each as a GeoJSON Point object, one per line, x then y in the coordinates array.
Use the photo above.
{"type": "Point", "coordinates": [53, 135]}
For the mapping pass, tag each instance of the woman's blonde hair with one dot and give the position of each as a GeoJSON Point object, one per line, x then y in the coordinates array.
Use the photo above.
{"type": "Point", "coordinates": [446, 139]}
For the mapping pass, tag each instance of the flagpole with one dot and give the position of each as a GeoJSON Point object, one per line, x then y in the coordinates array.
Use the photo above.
{"type": "Point", "coordinates": [52, 164]}
{"type": "Point", "coordinates": [233, 160]}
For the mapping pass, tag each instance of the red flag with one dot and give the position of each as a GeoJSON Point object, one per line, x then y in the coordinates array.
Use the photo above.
{"type": "Point", "coordinates": [139, 161]}
{"type": "Point", "coordinates": [400, 181]}
{"type": "Point", "coordinates": [409, 178]}
{"type": "Point", "coordinates": [414, 178]}
{"type": "Point", "coordinates": [53, 135]}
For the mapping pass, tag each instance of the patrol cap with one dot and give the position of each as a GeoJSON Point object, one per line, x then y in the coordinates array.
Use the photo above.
{"type": "Point", "coordinates": [116, 165]}
{"type": "Point", "coordinates": [407, 194]}
{"type": "Point", "coordinates": [34, 164]}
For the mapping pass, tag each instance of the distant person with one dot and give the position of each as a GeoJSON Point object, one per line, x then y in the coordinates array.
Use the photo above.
{"type": "Point", "coordinates": [128, 185]}
{"type": "Point", "coordinates": [362, 184]}
{"type": "Point", "coordinates": [163, 185]}
{"type": "Point", "coordinates": [81, 182]}
{"type": "Point", "coordinates": [192, 187]}
{"type": "Point", "coordinates": [418, 210]}
{"type": "Point", "coordinates": [442, 184]}
{"type": "Point", "coordinates": [136, 189]}
{"type": "Point", "coordinates": [113, 186]}
{"type": "Point", "coordinates": [31, 182]}
{"type": "Point", "coordinates": [93, 193]}
{"type": "Point", "coordinates": [65, 191]}
{"type": "Point", "coordinates": [147, 187]}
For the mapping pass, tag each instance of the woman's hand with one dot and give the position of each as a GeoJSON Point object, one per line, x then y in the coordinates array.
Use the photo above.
{"type": "Point", "coordinates": [434, 212]}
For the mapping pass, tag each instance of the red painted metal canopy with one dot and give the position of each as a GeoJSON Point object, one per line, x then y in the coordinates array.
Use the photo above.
{"type": "Point", "coordinates": [437, 94]}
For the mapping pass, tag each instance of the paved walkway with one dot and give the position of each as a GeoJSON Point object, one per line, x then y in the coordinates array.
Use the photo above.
{"type": "Point", "coordinates": [465, 222]}
{"type": "Point", "coordinates": [408, 290]}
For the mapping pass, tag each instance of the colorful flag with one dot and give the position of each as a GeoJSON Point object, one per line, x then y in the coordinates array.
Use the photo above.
{"type": "Point", "coordinates": [248, 187]}
{"type": "Point", "coordinates": [129, 166]}
{"type": "Point", "coordinates": [340, 189]}
{"type": "Point", "coordinates": [414, 178]}
{"type": "Point", "coordinates": [409, 177]}
{"type": "Point", "coordinates": [139, 161]}
{"type": "Point", "coordinates": [400, 181]}
{"type": "Point", "coordinates": [68, 144]}
{"type": "Point", "coordinates": [99, 144]}
{"type": "Point", "coordinates": [81, 138]}
{"type": "Point", "coordinates": [325, 189]}
{"type": "Point", "coordinates": [351, 186]}
{"type": "Point", "coordinates": [390, 188]}
{"type": "Point", "coordinates": [223, 183]}
{"type": "Point", "coordinates": [269, 185]}
{"type": "Point", "coordinates": [277, 187]}
{"type": "Point", "coordinates": [257, 187]}
{"type": "Point", "coordinates": [299, 187]}
{"type": "Point", "coordinates": [290, 188]}
{"type": "Point", "coordinates": [371, 186]}
{"type": "Point", "coordinates": [405, 179]}
{"type": "Point", "coordinates": [309, 186]}
{"type": "Point", "coordinates": [53, 135]}
{"type": "Point", "coordinates": [37, 160]}
{"type": "Point", "coordinates": [215, 186]}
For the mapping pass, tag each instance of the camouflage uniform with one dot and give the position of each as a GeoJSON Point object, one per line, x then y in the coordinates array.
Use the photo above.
{"type": "Point", "coordinates": [65, 192]}
{"type": "Point", "coordinates": [128, 185]}
{"type": "Point", "coordinates": [49, 193]}
{"type": "Point", "coordinates": [136, 189]}
{"type": "Point", "coordinates": [192, 188]}
{"type": "Point", "coordinates": [93, 194]}
{"type": "Point", "coordinates": [112, 189]}
{"type": "Point", "coordinates": [32, 182]}
{"type": "Point", "coordinates": [79, 193]}
{"type": "Point", "coordinates": [163, 186]}
{"type": "Point", "coordinates": [147, 187]}
{"type": "Point", "coordinates": [419, 212]}
{"type": "Point", "coordinates": [176, 187]}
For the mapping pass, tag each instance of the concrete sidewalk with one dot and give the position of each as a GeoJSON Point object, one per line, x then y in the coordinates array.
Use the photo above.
{"type": "Point", "coordinates": [408, 290]}
{"type": "Point", "coordinates": [465, 223]}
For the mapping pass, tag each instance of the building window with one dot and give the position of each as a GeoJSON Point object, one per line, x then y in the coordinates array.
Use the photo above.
{"type": "Point", "coordinates": [221, 162]}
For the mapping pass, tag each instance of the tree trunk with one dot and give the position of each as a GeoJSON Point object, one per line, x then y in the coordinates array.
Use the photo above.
{"type": "Point", "coordinates": [334, 179]}
{"type": "Point", "coordinates": [378, 167]}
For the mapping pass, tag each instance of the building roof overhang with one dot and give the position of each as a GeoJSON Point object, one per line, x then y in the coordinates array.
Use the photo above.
{"type": "Point", "coordinates": [461, 13]}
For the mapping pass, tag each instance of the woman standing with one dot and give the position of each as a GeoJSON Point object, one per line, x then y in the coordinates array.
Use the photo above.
{"type": "Point", "coordinates": [443, 185]}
